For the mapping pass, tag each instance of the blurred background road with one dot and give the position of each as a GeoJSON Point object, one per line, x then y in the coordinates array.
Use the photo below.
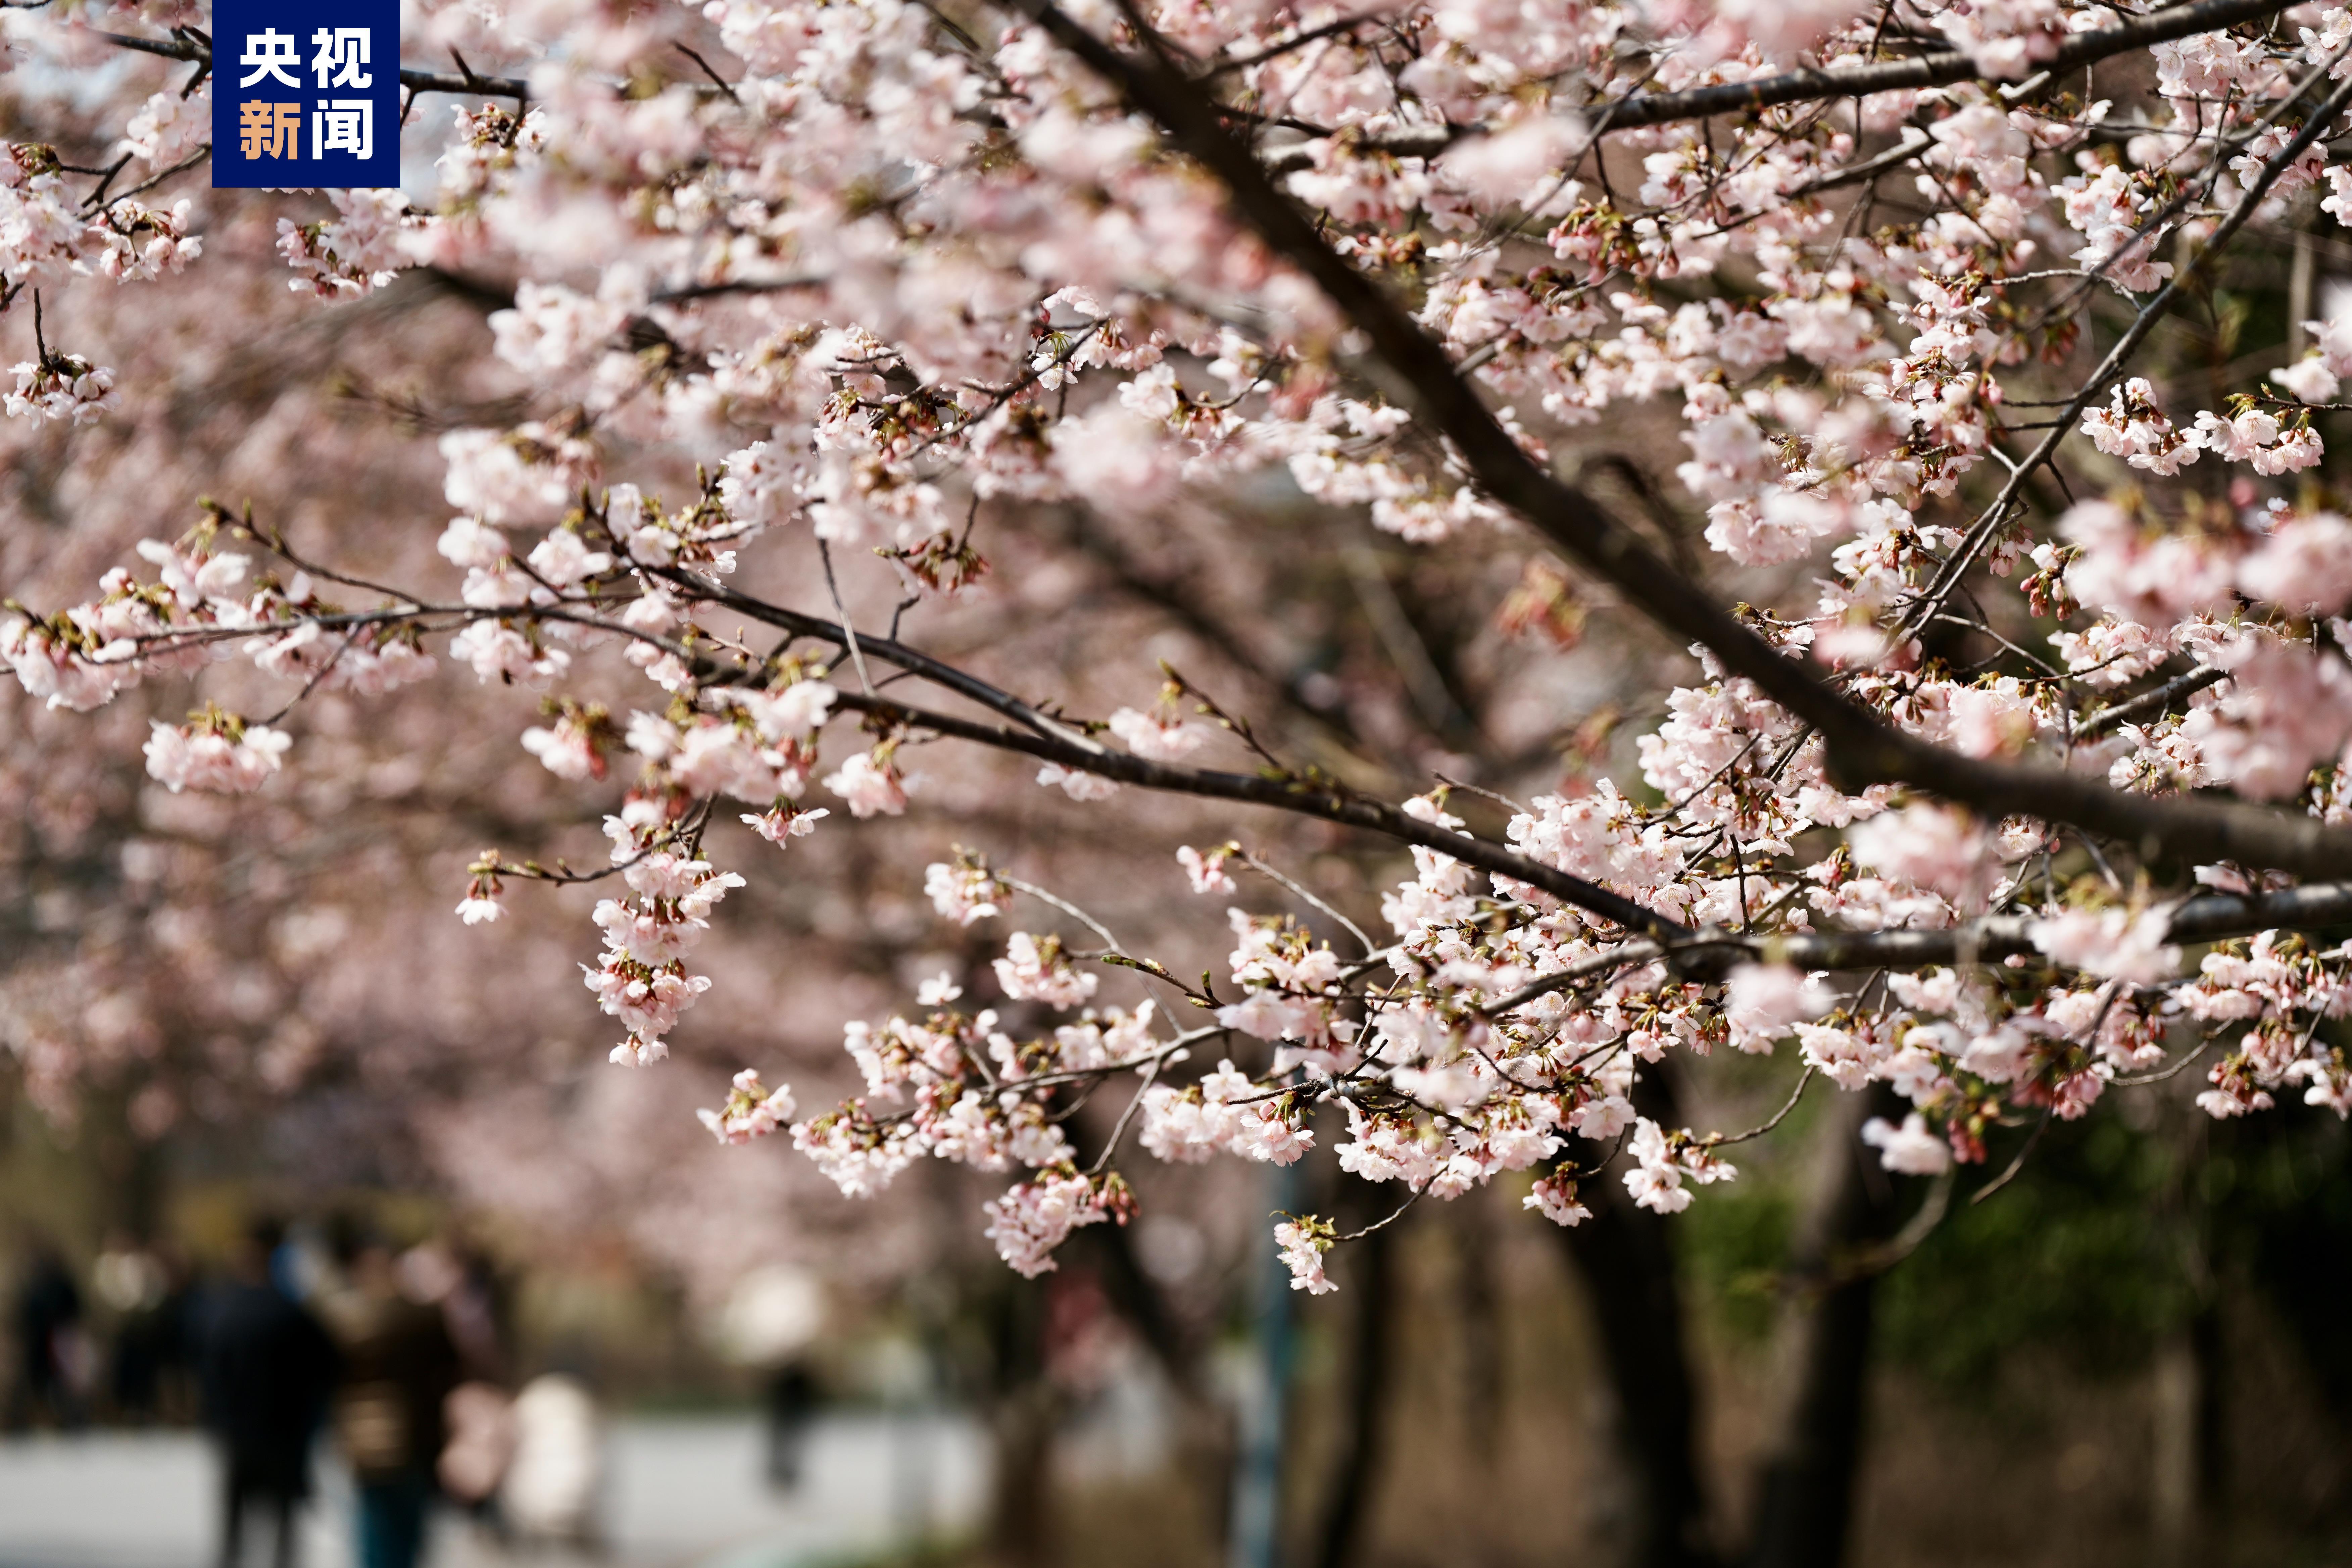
{"type": "Point", "coordinates": [686, 1491]}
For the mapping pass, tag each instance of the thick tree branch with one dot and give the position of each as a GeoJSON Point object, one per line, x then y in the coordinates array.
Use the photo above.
{"type": "Point", "coordinates": [1941, 68]}
{"type": "Point", "coordinates": [2156, 701]}
{"type": "Point", "coordinates": [1862, 749]}
{"type": "Point", "coordinates": [2209, 917]}
{"type": "Point", "coordinates": [1308, 798]}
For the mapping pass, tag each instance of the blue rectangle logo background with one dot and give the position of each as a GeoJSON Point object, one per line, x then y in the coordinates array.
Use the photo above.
{"type": "Point", "coordinates": [306, 94]}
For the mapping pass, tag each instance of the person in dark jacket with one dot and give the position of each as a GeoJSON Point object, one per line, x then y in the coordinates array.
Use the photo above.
{"type": "Point", "coordinates": [47, 1321]}
{"type": "Point", "coordinates": [264, 1369]}
{"type": "Point", "coordinates": [399, 1366]}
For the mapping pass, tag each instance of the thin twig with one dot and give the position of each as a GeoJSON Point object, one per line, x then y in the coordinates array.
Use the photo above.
{"type": "Point", "coordinates": [1069, 908]}
{"type": "Point", "coordinates": [848, 632]}
{"type": "Point", "coordinates": [2014, 1165]}
{"type": "Point", "coordinates": [1722, 1141]}
{"type": "Point", "coordinates": [2164, 1073]}
{"type": "Point", "coordinates": [1118, 1131]}
{"type": "Point", "coordinates": [1255, 864]}
{"type": "Point", "coordinates": [1383, 1223]}
{"type": "Point", "coordinates": [1902, 1243]}
{"type": "Point", "coordinates": [724, 85]}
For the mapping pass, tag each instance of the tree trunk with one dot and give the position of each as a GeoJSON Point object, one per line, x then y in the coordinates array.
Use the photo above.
{"type": "Point", "coordinates": [1021, 1527]}
{"type": "Point", "coordinates": [1372, 1354]}
{"type": "Point", "coordinates": [2185, 1482]}
{"type": "Point", "coordinates": [1024, 1415]}
{"type": "Point", "coordinates": [1481, 1320]}
{"type": "Point", "coordinates": [1206, 1433]}
{"type": "Point", "coordinates": [1625, 1256]}
{"type": "Point", "coordinates": [1822, 1347]}
{"type": "Point", "coordinates": [2175, 1479]}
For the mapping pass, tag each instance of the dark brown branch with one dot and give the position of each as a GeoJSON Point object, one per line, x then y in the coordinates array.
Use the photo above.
{"type": "Point", "coordinates": [1941, 68]}
{"type": "Point", "coordinates": [2155, 701]}
{"type": "Point", "coordinates": [2209, 917]}
{"type": "Point", "coordinates": [1308, 798]}
{"type": "Point", "coordinates": [1295, 41]}
{"type": "Point", "coordinates": [1861, 748]}
{"type": "Point", "coordinates": [888, 651]}
{"type": "Point", "coordinates": [471, 85]}
{"type": "Point", "coordinates": [693, 291]}
{"type": "Point", "coordinates": [149, 183]}
{"type": "Point", "coordinates": [414, 81]}
{"type": "Point", "coordinates": [2183, 285]}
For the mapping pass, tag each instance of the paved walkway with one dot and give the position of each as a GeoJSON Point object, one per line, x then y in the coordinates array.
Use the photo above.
{"type": "Point", "coordinates": [684, 1493]}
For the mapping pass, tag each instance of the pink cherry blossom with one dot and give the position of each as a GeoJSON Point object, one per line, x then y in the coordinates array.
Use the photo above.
{"type": "Point", "coordinates": [1303, 1244]}
{"type": "Point", "coordinates": [1910, 1150]}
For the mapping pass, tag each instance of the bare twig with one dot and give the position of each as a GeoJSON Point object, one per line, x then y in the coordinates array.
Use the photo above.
{"type": "Point", "coordinates": [1255, 864]}
{"type": "Point", "coordinates": [1071, 909]}
{"type": "Point", "coordinates": [1723, 1140]}
{"type": "Point", "coordinates": [2015, 1166]}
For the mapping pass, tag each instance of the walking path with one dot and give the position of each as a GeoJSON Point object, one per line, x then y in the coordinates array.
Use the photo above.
{"type": "Point", "coordinates": [681, 1492]}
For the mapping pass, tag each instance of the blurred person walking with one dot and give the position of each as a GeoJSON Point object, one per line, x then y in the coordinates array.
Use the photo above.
{"type": "Point", "coordinates": [52, 1353]}
{"type": "Point", "coordinates": [264, 1370]}
{"type": "Point", "coordinates": [773, 1315]}
{"type": "Point", "coordinates": [146, 1289]}
{"type": "Point", "coordinates": [399, 1366]}
{"type": "Point", "coordinates": [549, 1496]}
{"type": "Point", "coordinates": [478, 1415]}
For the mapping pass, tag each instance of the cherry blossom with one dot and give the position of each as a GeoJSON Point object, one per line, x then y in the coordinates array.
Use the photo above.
{"type": "Point", "coordinates": [752, 1110]}
{"type": "Point", "coordinates": [1304, 1243]}
{"type": "Point", "coordinates": [1910, 1148]}
{"type": "Point", "coordinates": [872, 788]}
{"type": "Point", "coordinates": [800, 404]}
{"type": "Point", "coordinates": [216, 751]}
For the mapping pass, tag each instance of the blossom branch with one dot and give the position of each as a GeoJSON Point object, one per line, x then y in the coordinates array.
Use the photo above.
{"type": "Point", "coordinates": [1941, 68]}
{"type": "Point", "coordinates": [2175, 289]}
{"type": "Point", "coordinates": [2155, 701]}
{"type": "Point", "coordinates": [2209, 917]}
{"type": "Point", "coordinates": [1862, 749]}
{"type": "Point", "coordinates": [1305, 796]}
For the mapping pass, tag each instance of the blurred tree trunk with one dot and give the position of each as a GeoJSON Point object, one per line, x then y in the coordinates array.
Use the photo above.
{"type": "Point", "coordinates": [2186, 1478]}
{"type": "Point", "coordinates": [1025, 1410]}
{"type": "Point", "coordinates": [1625, 1256]}
{"type": "Point", "coordinates": [1821, 1344]}
{"type": "Point", "coordinates": [2184, 1442]}
{"type": "Point", "coordinates": [1363, 1424]}
{"type": "Point", "coordinates": [1021, 1527]}
{"type": "Point", "coordinates": [1626, 1260]}
{"type": "Point", "coordinates": [1480, 1316]}
{"type": "Point", "coordinates": [1205, 1423]}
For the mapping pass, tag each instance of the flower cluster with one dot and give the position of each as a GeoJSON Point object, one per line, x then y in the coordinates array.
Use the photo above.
{"type": "Point", "coordinates": [752, 1110]}
{"type": "Point", "coordinates": [643, 979]}
{"type": "Point", "coordinates": [214, 752]}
